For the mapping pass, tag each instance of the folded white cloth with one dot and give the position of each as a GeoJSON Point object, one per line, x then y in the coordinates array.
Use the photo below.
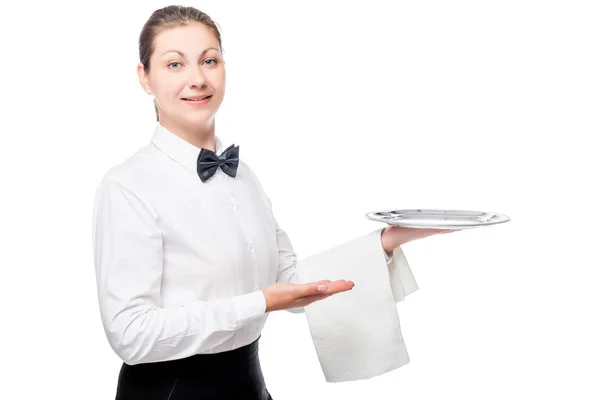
{"type": "Point", "coordinates": [357, 333]}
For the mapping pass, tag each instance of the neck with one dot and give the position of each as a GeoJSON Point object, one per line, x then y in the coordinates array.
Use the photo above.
{"type": "Point", "coordinates": [201, 136]}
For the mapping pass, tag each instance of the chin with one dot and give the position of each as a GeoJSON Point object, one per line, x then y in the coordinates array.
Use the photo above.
{"type": "Point", "coordinates": [199, 118]}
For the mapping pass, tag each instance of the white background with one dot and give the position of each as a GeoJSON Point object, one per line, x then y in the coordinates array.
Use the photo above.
{"type": "Point", "coordinates": [341, 108]}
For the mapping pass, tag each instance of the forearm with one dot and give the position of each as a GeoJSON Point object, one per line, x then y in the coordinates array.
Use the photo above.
{"type": "Point", "coordinates": [147, 334]}
{"type": "Point", "coordinates": [386, 244]}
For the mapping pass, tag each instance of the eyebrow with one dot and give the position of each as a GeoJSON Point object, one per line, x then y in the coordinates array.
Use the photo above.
{"type": "Point", "coordinates": [183, 55]}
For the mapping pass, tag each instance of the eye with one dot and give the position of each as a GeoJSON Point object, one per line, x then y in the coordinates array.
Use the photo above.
{"type": "Point", "coordinates": [212, 59]}
{"type": "Point", "coordinates": [174, 62]}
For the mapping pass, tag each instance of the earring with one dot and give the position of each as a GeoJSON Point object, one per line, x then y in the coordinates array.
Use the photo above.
{"type": "Point", "coordinates": [148, 92]}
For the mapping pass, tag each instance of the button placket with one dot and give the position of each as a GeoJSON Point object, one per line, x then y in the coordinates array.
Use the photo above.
{"type": "Point", "coordinates": [250, 246]}
{"type": "Point", "coordinates": [249, 243]}
{"type": "Point", "coordinates": [257, 281]}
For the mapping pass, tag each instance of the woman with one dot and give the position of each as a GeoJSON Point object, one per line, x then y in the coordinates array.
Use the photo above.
{"type": "Point", "coordinates": [189, 257]}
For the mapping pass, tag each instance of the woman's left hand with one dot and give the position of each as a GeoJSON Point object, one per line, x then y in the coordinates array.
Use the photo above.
{"type": "Point", "coordinates": [394, 236]}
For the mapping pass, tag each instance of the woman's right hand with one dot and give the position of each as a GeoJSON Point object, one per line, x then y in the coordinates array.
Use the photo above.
{"type": "Point", "coordinates": [284, 295]}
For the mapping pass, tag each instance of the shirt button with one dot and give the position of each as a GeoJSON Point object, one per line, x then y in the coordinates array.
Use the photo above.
{"type": "Point", "coordinates": [232, 203]}
{"type": "Point", "coordinates": [250, 245]}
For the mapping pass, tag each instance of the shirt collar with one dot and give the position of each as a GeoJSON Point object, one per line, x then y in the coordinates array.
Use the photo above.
{"type": "Point", "coordinates": [178, 148]}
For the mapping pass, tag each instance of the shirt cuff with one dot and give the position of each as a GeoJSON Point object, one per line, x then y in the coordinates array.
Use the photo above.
{"type": "Point", "coordinates": [388, 259]}
{"type": "Point", "coordinates": [250, 306]}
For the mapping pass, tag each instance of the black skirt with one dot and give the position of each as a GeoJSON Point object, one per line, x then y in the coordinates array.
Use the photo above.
{"type": "Point", "coordinates": [234, 374]}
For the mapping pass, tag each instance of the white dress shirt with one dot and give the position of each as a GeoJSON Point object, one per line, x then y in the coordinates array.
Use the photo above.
{"type": "Point", "coordinates": [180, 263]}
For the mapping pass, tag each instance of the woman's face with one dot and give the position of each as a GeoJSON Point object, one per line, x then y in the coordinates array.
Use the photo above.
{"type": "Point", "coordinates": [186, 63]}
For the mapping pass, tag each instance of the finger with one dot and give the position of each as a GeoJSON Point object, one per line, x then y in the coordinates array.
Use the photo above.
{"type": "Point", "coordinates": [314, 288]}
{"type": "Point", "coordinates": [439, 231]}
{"type": "Point", "coordinates": [427, 231]}
{"type": "Point", "coordinates": [338, 286]}
{"type": "Point", "coordinates": [329, 287]}
{"type": "Point", "coordinates": [315, 297]}
{"type": "Point", "coordinates": [304, 301]}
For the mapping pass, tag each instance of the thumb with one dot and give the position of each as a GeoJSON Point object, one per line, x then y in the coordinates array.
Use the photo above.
{"type": "Point", "coordinates": [315, 288]}
{"type": "Point", "coordinates": [320, 286]}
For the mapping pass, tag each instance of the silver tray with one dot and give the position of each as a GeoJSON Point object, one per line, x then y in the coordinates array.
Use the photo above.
{"type": "Point", "coordinates": [437, 219]}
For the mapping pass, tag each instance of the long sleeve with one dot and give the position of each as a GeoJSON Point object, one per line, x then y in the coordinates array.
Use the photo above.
{"type": "Point", "coordinates": [286, 268]}
{"type": "Point", "coordinates": [128, 256]}
{"type": "Point", "coordinates": [287, 258]}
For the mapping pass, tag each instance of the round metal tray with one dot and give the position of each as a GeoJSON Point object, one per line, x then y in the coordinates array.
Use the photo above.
{"type": "Point", "coordinates": [437, 219]}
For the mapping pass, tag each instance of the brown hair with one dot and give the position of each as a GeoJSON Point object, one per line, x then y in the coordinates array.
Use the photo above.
{"type": "Point", "coordinates": [168, 17]}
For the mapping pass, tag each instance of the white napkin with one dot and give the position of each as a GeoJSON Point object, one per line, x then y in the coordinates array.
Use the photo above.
{"type": "Point", "coordinates": [357, 333]}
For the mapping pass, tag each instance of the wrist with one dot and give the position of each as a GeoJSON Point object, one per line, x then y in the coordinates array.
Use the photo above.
{"type": "Point", "coordinates": [386, 243]}
{"type": "Point", "coordinates": [267, 305]}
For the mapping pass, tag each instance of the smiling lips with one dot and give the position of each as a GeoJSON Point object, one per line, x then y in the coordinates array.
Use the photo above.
{"type": "Point", "coordinates": [198, 97]}
{"type": "Point", "coordinates": [197, 100]}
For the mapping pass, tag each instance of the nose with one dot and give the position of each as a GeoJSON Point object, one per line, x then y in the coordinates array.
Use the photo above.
{"type": "Point", "coordinates": [196, 77]}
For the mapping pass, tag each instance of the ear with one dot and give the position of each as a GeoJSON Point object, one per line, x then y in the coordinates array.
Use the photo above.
{"type": "Point", "coordinates": [143, 78]}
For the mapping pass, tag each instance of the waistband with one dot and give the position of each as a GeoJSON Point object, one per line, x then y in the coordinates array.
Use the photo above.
{"type": "Point", "coordinates": [227, 359]}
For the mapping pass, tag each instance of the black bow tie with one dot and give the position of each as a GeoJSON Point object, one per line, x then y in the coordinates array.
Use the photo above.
{"type": "Point", "coordinates": [209, 161]}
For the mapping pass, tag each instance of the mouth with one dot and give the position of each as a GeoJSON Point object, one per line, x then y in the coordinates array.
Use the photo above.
{"type": "Point", "coordinates": [196, 98]}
